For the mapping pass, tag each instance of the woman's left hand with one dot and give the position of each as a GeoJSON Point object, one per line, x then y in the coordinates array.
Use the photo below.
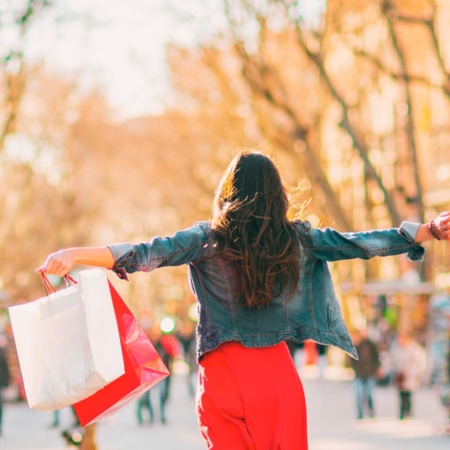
{"type": "Point", "coordinates": [440, 226]}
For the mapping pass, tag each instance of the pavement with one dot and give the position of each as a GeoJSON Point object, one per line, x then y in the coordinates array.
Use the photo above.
{"type": "Point", "coordinates": [331, 422]}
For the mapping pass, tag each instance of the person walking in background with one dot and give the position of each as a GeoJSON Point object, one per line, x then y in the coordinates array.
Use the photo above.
{"type": "Point", "coordinates": [186, 338]}
{"type": "Point", "coordinates": [145, 401]}
{"type": "Point", "coordinates": [409, 362]}
{"type": "Point", "coordinates": [172, 348]}
{"type": "Point", "coordinates": [366, 371]}
{"type": "Point", "coordinates": [260, 277]}
{"type": "Point", "coordinates": [5, 375]}
{"type": "Point", "coordinates": [57, 418]}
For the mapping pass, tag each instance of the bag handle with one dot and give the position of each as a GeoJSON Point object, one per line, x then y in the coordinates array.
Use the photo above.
{"type": "Point", "coordinates": [68, 279]}
{"type": "Point", "coordinates": [49, 288]}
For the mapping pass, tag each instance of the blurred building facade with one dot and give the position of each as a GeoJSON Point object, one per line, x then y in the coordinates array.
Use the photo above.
{"type": "Point", "coordinates": [400, 96]}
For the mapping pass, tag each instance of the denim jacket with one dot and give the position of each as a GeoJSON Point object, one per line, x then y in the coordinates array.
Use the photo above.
{"type": "Point", "coordinates": [312, 313]}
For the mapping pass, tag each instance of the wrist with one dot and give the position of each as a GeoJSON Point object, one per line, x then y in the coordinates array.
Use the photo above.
{"type": "Point", "coordinates": [72, 254]}
{"type": "Point", "coordinates": [434, 230]}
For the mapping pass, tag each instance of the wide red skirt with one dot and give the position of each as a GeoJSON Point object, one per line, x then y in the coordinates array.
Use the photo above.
{"type": "Point", "coordinates": [251, 399]}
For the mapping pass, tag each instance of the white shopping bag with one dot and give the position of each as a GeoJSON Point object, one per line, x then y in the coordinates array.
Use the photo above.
{"type": "Point", "coordinates": [68, 343]}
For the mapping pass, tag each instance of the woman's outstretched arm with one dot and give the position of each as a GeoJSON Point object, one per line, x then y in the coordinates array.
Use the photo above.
{"type": "Point", "coordinates": [62, 262]}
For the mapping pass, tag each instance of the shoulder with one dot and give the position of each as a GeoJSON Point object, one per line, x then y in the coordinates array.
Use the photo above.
{"type": "Point", "coordinates": [204, 229]}
{"type": "Point", "coordinates": [303, 229]}
{"type": "Point", "coordinates": [302, 225]}
{"type": "Point", "coordinates": [204, 225]}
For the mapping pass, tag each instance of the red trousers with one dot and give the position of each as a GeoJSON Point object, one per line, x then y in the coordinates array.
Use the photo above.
{"type": "Point", "coordinates": [251, 399]}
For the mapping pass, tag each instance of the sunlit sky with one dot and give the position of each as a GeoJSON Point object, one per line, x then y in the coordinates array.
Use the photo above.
{"type": "Point", "coordinates": [120, 45]}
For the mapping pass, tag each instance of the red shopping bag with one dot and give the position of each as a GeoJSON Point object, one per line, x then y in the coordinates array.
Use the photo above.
{"type": "Point", "coordinates": [143, 369]}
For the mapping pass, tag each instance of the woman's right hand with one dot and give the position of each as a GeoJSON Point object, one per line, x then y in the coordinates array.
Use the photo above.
{"type": "Point", "coordinates": [62, 262]}
{"type": "Point", "coordinates": [59, 263]}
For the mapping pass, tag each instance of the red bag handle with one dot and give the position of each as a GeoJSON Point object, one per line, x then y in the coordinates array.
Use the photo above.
{"type": "Point", "coordinates": [68, 278]}
{"type": "Point", "coordinates": [49, 288]}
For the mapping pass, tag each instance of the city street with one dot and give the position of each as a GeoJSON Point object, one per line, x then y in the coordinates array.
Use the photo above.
{"type": "Point", "coordinates": [332, 424]}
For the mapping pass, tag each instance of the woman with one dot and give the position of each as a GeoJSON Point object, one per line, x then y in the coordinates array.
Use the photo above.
{"type": "Point", "coordinates": [259, 280]}
{"type": "Point", "coordinates": [5, 375]}
{"type": "Point", "coordinates": [366, 371]}
{"type": "Point", "coordinates": [409, 364]}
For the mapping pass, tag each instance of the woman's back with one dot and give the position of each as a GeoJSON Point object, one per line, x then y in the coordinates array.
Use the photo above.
{"type": "Point", "coordinates": [253, 231]}
{"type": "Point", "coordinates": [311, 312]}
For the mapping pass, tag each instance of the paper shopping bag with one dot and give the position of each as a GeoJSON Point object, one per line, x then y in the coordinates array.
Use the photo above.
{"type": "Point", "coordinates": [68, 342]}
{"type": "Point", "coordinates": [144, 368]}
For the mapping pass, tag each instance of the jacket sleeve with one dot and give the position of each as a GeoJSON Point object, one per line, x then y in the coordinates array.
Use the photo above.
{"type": "Point", "coordinates": [183, 247]}
{"type": "Point", "coordinates": [330, 245]}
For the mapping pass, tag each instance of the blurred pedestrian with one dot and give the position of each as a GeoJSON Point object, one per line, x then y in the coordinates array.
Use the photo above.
{"type": "Point", "coordinates": [166, 352]}
{"type": "Point", "coordinates": [260, 276]}
{"type": "Point", "coordinates": [366, 372]}
{"type": "Point", "coordinates": [186, 337]}
{"type": "Point", "coordinates": [409, 363]}
{"type": "Point", "coordinates": [292, 347]}
{"type": "Point", "coordinates": [5, 375]}
{"type": "Point", "coordinates": [57, 418]}
{"type": "Point", "coordinates": [322, 359]}
{"type": "Point", "coordinates": [172, 349]}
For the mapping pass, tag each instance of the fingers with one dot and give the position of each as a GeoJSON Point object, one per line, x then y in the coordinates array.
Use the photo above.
{"type": "Point", "coordinates": [443, 218]}
{"type": "Point", "coordinates": [56, 264]}
{"type": "Point", "coordinates": [442, 224]}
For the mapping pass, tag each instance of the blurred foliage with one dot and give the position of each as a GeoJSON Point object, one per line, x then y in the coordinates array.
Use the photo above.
{"type": "Point", "coordinates": [355, 106]}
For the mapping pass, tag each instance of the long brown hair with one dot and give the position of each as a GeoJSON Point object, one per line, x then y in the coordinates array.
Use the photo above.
{"type": "Point", "coordinates": [253, 229]}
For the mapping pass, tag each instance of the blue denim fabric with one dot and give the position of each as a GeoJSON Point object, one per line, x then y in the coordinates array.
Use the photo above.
{"type": "Point", "coordinates": [314, 311]}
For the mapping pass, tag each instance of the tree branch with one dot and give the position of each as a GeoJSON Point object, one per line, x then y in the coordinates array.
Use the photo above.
{"type": "Point", "coordinates": [387, 8]}
{"type": "Point", "coordinates": [256, 76]}
{"type": "Point", "coordinates": [346, 124]}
